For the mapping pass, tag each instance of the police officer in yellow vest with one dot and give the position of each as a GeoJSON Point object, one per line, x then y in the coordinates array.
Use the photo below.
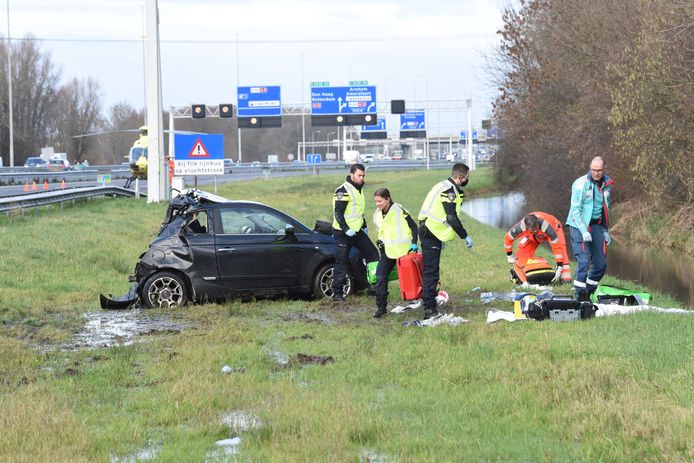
{"type": "Point", "coordinates": [349, 227]}
{"type": "Point", "coordinates": [397, 235]}
{"type": "Point", "coordinates": [439, 222]}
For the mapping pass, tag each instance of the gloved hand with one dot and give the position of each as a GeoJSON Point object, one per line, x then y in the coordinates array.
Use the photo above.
{"type": "Point", "coordinates": [413, 248]}
{"type": "Point", "coordinates": [511, 260]}
{"type": "Point", "coordinates": [468, 241]}
{"type": "Point", "coordinates": [350, 232]}
{"type": "Point", "coordinates": [608, 240]}
{"type": "Point", "coordinates": [587, 237]}
{"type": "Point", "coordinates": [365, 230]}
{"type": "Point", "coordinates": [557, 275]}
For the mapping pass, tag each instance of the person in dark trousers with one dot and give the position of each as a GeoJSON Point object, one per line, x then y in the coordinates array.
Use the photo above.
{"type": "Point", "coordinates": [397, 235]}
{"type": "Point", "coordinates": [439, 222]}
{"type": "Point", "coordinates": [588, 223]}
{"type": "Point", "coordinates": [349, 227]}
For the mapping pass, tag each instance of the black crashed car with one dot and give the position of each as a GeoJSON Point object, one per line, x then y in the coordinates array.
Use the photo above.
{"type": "Point", "coordinates": [211, 249]}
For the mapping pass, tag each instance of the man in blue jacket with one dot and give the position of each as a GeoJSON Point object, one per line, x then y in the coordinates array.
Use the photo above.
{"type": "Point", "coordinates": [588, 223]}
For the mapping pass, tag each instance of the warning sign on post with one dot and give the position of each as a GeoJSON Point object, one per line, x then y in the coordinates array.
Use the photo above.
{"type": "Point", "coordinates": [198, 154]}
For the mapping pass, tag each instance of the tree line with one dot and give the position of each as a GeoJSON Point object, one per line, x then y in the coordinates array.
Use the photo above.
{"type": "Point", "coordinates": [50, 112]}
{"type": "Point", "coordinates": [582, 78]}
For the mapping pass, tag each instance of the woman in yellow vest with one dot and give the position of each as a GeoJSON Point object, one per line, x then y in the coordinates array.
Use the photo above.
{"type": "Point", "coordinates": [397, 235]}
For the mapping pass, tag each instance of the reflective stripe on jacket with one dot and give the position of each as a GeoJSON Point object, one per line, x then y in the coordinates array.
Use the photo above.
{"type": "Point", "coordinates": [582, 196]}
{"type": "Point", "coordinates": [432, 210]}
{"type": "Point", "coordinates": [393, 230]}
{"type": "Point", "coordinates": [550, 231]}
{"type": "Point", "coordinates": [354, 214]}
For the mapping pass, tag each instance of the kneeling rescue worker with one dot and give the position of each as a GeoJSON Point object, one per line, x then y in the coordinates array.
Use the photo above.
{"type": "Point", "coordinates": [535, 228]}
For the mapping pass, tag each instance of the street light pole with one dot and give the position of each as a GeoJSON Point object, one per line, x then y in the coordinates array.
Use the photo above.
{"type": "Point", "coordinates": [328, 144]}
{"type": "Point", "coordinates": [9, 84]}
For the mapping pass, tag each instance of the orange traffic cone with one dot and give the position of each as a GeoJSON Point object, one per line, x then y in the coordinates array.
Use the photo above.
{"type": "Point", "coordinates": [62, 184]}
{"type": "Point", "coordinates": [26, 186]}
{"type": "Point", "coordinates": [45, 184]}
{"type": "Point", "coordinates": [33, 187]}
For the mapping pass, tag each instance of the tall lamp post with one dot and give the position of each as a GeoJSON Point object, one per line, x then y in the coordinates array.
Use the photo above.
{"type": "Point", "coordinates": [9, 85]}
{"type": "Point", "coordinates": [313, 133]}
{"type": "Point", "coordinates": [328, 144]}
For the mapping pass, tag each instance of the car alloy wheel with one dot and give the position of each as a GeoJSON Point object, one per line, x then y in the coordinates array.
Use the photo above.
{"type": "Point", "coordinates": [323, 286]}
{"type": "Point", "coordinates": [165, 289]}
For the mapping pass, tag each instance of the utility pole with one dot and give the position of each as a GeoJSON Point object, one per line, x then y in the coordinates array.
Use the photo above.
{"type": "Point", "coordinates": [156, 172]}
{"type": "Point", "coordinates": [9, 85]}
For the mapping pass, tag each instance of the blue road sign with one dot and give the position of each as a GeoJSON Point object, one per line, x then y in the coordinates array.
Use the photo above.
{"type": "Point", "coordinates": [379, 127]}
{"type": "Point", "coordinates": [259, 101]}
{"type": "Point", "coordinates": [343, 100]}
{"type": "Point", "coordinates": [413, 120]}
{"type": "Point", "coordinates": [313, 158]}
{"type": "Point", "coordinates": [196, 154]}
{"type": "Point", "coordinates": [463, 134]}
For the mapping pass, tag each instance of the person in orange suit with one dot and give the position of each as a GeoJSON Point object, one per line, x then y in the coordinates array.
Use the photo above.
{"type": "Point", "coordinates": [535, 228]}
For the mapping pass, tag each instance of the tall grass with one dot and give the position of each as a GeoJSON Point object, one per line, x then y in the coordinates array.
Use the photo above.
{"type": "Point", "coordinates": [609, 389]}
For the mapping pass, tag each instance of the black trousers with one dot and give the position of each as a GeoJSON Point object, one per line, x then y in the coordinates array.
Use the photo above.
{"type": "Point", "coordinates": [431, 257]}
{"type": "Point", "coordinates": [343, 246]}
{"type": "Point", "coordinates": [385, 266]}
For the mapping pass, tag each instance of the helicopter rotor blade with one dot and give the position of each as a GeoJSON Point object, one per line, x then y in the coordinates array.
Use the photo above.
{"type": "Point", "coordinates": [106, 132]}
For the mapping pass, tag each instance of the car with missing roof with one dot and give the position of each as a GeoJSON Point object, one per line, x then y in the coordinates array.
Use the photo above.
{"type": "Point", "coordinates": [211, 249]}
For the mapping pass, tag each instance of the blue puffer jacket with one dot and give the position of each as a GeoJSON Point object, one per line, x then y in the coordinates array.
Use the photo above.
{"type": "Point", "coordinates": [583, 193]}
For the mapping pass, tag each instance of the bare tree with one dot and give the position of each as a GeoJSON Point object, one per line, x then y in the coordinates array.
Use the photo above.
{"type": "Point", "coordinates": [77, 112]}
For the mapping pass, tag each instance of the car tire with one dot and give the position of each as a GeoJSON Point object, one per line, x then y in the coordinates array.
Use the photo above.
{"type": "Point", "coordinates": [323, 282]}
{"type": "Point", "coordinates": [165, 289]}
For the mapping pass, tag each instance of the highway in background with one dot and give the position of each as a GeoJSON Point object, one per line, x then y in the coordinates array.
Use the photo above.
{"type": "Point", "coordinates": [13, 182]}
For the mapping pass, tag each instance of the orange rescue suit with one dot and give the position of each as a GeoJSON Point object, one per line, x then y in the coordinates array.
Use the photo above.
{"type": "Point", "coordinates": [550, 230]}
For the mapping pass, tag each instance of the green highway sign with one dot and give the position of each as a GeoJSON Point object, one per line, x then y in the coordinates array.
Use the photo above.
{"type": "Point", "coordinates": [358, 82]}
{"type": "Point", "coordinates": [320, 84]}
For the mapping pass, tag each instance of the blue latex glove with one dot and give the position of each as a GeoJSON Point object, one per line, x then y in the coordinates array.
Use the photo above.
{"type": "Point", "coordinates": [608, 240]}
{"type": "Point", "coordinates": [468, 241]}
{"type": "Point", "coordinates": [413, 248]}
{"type": "Point", "coordinates": [587, 237]}
{"type": "Point", "coordinates": [350, 232]}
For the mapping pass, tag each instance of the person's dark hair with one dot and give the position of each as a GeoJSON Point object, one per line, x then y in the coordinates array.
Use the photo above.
{"type": "Point", "coordinates": [384, 193]}
{"type": "Point", "coordinates": [459, 169]}
{"type": "Point", "coordinates": [531, 221]}
{"type": "Point", "coordinates": [356, 167]}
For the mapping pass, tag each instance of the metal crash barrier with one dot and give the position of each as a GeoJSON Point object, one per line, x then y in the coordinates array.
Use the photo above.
{"type": "Point", "coordinates": [14, 203]}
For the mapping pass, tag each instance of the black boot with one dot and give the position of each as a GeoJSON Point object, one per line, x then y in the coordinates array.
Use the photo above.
{"type": "Point", "coordinates": [431, 313]}
{"type": "Point", "coordinates": [380, 312]}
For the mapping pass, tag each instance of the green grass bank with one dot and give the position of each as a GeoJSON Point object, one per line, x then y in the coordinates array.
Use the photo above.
{"type": "Point", "coordinates": [608, 389]}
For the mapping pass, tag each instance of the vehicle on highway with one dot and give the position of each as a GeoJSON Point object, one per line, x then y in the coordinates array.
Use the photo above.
{"type": "Point", "coordinates": [58, 165]}
{"type": "Point", "coordinates": [35, 161]}
{"type": "Point", "coordinates": [367, 158]}
{"type": "Point", "coordinates": [210, 248]}
{"type": "Point", "coordinates": [397, 156]}
{"type": "Point", "coordinates": [228, 165]}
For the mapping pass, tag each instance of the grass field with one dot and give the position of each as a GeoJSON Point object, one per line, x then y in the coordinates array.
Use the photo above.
{"type": "Point", "coordinates": [607, 389]}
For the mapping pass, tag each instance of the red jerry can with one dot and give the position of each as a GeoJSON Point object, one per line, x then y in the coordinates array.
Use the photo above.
{"type": "Point", "coordinates": [410, 276]}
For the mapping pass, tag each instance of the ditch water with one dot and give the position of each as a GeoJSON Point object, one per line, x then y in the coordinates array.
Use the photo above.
{"type": "Point", "coordinates": [656, 268]}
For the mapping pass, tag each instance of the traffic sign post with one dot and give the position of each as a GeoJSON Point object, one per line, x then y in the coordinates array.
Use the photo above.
{"type": "Point", "coordinates": [259, 106]}
{"type": "Point", "coordinates": [314, 159]}
{"type": "Point", "coordinates": [198, 154]}
{"type": "Point", "coordinates": [413, 124]}
{"type": "Point", "coordinates": [355, 105]}
{"type": "Point", "coordinates": [375, 132]}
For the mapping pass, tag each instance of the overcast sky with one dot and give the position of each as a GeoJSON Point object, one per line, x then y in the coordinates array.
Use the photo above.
{"type": "Point", "coordinates": [412, 50]}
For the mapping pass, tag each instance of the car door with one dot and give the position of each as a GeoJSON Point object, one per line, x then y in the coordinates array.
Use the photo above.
{"type": "Point", "coordinates": [254, 250]}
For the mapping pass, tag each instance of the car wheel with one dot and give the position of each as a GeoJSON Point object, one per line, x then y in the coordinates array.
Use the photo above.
{"type": "Point", "coordinates": [323, 282]}
{"type": "Point", "coordinates": [165, 289]}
